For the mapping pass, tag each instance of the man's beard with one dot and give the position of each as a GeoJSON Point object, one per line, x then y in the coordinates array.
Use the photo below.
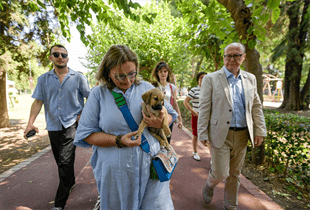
{"type": "Point", "coordinates": [61, 66]}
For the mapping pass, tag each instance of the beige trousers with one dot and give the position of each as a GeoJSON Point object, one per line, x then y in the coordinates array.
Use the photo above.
{"type": "Point", "coordinates": [227, 163]}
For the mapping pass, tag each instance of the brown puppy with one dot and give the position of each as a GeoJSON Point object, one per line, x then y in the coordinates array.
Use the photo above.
{"type": "Point", "coordinates": [154, 101]}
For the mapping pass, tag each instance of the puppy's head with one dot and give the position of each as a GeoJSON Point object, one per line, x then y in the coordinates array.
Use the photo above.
{"type": "Point", "coordinates": [154, 98]}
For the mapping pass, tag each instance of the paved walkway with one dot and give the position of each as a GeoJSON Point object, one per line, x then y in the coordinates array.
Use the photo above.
{"type": "Point", "coordinates": [32, 184]}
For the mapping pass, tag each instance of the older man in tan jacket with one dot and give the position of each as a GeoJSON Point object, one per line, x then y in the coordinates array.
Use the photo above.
{"type": "Point", "coordinates": [230, 113]}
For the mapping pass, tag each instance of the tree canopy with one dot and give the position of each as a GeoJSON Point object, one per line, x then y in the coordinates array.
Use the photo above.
{"type": "Point", "coordinates": [159, 41]}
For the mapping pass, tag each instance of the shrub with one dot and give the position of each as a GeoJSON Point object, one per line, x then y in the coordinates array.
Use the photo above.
{"type": "Point", "coordinates": [287, 146]}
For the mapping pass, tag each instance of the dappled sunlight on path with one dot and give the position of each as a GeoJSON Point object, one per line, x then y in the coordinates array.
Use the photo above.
{"type": "Point", "coordinates": [13, 147]}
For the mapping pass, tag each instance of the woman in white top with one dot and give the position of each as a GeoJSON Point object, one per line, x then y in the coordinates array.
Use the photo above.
{"type": "Point", "coordinates": [164, 81]}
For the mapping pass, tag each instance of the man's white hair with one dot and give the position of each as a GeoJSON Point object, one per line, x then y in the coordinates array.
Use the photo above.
{"type": "Point", "coordinates": [236, 44]}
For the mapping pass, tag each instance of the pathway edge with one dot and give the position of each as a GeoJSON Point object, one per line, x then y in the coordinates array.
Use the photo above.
{"type": "Point", "coordinates": [24, 163]}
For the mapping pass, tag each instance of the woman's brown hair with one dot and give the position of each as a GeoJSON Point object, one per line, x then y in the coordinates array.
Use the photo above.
{"type": "Point", "coordinates": [115, 56]}
{"type": "Point", "coordinates": [157, 68]}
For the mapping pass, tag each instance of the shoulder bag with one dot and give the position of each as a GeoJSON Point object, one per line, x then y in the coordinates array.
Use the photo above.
{"type": "Point", "coordinates": [172, 97]}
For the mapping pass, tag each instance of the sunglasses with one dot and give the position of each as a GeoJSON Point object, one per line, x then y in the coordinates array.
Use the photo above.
{"type": "Point", "coordinates": [63, 55]}
{"type": "Point", "coordinates": [123, 76]}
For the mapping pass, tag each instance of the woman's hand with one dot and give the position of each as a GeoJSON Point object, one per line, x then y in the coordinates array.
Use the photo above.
{"type": "Point", "coordinates": [195, 113]}
{"type": "Point", "coordinates": [152, 121]}
{"type": "Point", "coordinates": [126, 139]}
{"type": "Point", "coordinates": [180, 125]}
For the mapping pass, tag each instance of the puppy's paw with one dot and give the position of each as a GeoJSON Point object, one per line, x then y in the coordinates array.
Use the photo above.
{"type": "Point", "coordinates": [168, 147]}
{"type": "Point", "coordinates": [167, 133]}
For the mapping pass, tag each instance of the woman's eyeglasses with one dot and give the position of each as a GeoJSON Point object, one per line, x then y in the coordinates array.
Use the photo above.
{"type": "Point", "coordinates": [63, 55]}
{"type": "Point", "coordinates": [123, 76]}
{"type": "Point", "coordinates": [236, 57]}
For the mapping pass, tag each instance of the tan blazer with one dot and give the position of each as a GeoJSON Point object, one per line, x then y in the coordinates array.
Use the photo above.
{"type": "Point", "coordinates": [215, 108]}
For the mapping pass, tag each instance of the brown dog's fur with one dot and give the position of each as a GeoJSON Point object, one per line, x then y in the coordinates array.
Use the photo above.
{"type": "Point", "coordinates": [154, 101]}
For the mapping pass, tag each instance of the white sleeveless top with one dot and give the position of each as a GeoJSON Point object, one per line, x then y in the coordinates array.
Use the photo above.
{"type": "Point", "coordinates": [167, 90]}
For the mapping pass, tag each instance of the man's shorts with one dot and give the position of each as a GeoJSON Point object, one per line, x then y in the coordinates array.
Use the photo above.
{"type": "Point", "coordinates": [194, 124]}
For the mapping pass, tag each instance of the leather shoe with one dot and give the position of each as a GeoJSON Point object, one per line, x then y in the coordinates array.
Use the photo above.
{"type": "Point", "coordinates": [207, 193]}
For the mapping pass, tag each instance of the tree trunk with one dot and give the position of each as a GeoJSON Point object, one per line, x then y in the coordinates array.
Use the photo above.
{"type": "Point", "coordinates": [304, 93]}
{"type": "Point", "coordinates": [298, 30]}
{"type": "Point", "coordinates": [4, 115]}
{"type": "Point", "coordinates": [303, 36]}
{"type": "Point", "coordinates": [305, 28]}
{"type": "Point", "coordinates": [252, 65]}
{"type": "Point", "coordinates": [198, 65]}
{"type": "Point", "coordinates": [241, 15]}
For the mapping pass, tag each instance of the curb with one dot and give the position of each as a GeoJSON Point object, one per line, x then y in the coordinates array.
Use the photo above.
{"type": "Point", "coordinates": [9, 172]}
{"type": "Point", "coordinates": [258, 194]}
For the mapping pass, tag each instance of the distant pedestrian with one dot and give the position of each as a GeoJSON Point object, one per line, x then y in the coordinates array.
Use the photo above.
{"type": "Point", "coordinates": [163, 76]}
{"type": "Point", "coordinates": [12, 95]}
{"type": "Point", "coordinates": [230, 113]}
{"type": "Point", "coordinates": [62, 91]}
{"type": "Point", "coordinates": [193, 95]}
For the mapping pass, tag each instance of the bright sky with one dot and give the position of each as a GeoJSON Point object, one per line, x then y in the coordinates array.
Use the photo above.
{"type": "Point", "coordinates": [77, 51]}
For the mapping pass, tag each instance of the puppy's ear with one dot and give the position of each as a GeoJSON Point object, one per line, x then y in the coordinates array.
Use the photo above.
{"type": "Point", "coordinates": [146, 96]}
